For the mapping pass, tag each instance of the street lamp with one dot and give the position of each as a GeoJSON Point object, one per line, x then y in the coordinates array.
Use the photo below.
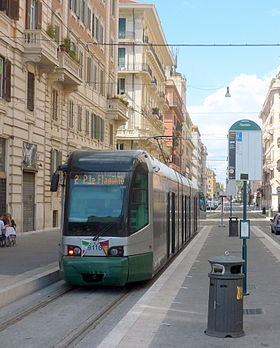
{"type": "Point", "coordinates": [227, 93]}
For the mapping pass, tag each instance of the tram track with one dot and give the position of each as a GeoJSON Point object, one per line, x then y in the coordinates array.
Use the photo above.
{"type": "Point", "coordinates": [82, 331]}
{"type": "Point", "coordinates": [30, 309]}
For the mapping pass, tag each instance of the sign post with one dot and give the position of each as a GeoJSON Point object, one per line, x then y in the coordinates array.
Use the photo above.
{"type": "Point", "coordinates": [245, 163]}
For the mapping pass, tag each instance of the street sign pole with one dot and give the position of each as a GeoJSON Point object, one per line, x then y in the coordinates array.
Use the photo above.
{"type": "Point", "coordinates": [244, 239]}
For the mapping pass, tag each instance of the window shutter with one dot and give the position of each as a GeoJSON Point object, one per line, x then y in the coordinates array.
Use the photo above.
{"type": "Point", "coordinates": [59, 161]}
{"type": "Point", "coordinates": [13, 11]}
{"type": "Point", "coordinates": [39, 15]}
{"type": "Point", "coordinates": [52, 161]}
{"type": "Point", "coordinates": [102, 129]}
{"type": "Point", "coordinates": [30, 91]}
{"type": "Point", "coordinates": [4, 5]}
{"type": "Point", "coordinates": [27, 17]}
{"type": "Point", "coordinates": [7, 82]}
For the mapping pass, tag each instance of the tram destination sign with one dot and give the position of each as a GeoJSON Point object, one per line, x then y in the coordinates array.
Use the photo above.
{"type": "Point", "coordinates": [245, 150]}
{"type": "Point", "coordinates": [99, 179]}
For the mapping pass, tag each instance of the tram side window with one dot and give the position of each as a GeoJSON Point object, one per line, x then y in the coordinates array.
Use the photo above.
{"type": "Point", "coordinates": [138, 203]}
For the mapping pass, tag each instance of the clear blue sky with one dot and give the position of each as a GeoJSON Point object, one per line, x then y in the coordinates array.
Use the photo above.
{"type": "Point", "coordinates": [217, 21]}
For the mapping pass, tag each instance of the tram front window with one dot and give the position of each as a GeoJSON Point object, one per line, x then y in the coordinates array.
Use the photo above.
{"type": "Point", "coordinates": [95, 207]}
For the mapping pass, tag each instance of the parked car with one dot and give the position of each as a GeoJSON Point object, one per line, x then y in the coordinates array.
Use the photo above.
{"type": "Point", "coordinates": [275, 224]}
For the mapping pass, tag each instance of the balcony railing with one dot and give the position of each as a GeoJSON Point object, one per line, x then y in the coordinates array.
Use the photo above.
{"type": "Point", "coordinates": [123, 35]}
{"type": "Point", "coordinates": [136, 68]}
{"type": "Point", "coordinates": [39, 48]}
{"type": "Point", "coordinates": [70, 69]}
{"type": "Point", "coordinates": [117, 109]}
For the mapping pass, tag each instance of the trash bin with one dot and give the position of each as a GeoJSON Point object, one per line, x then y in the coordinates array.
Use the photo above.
{"type": "Point", "coordinates": [225, 306]}
{"type": "Point", "coordinates": [233, 226]}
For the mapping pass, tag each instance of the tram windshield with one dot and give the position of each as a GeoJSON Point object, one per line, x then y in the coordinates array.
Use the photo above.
{"type": "Point", "coordinates": [96, 204]}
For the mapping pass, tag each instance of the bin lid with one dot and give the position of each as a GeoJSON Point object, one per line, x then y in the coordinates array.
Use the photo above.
{"type": "Point", "coordinates": [226, 259]}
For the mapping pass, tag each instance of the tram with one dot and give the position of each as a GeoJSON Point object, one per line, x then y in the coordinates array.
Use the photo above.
{"type": "Point", "coordinates": [124, 215]}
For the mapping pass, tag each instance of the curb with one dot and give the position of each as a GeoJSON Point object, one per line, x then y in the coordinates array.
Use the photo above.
{"type": "Point", "coordinates": [27, 286]}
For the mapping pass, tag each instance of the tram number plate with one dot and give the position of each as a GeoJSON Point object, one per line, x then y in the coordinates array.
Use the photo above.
{"type": "Point", "coordinates": [97, 248]}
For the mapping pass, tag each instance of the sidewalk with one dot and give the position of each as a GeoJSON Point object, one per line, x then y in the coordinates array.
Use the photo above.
{"type": "Point", "coordinates": [29, 266]}
{"type": "Point", "coordinates": [173, 313]}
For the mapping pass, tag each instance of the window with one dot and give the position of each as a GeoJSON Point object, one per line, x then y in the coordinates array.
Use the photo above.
{"type": "Point", "coordinates": [113, 8]}
{"type": "Point", "coordinates": [92, 125]}
{"type": "Point", "coordinates": [81, 58]}
{"type": "Point", "coordinates": [71, 114]}
{"type": "Point", "coordinates": [87, 122]}
{"type": "Point", "coordinates": [138, 200]}
{"type": "Point", "coordinates": [95, 79]}
{"type": "Point", "coordinates": [56, 160]}
{"type": "Point", "coordinates": [121, 86]}
{"type": "Point", "coordinates": [11, 7]}
{"type": "Point", "coordinates": [102, 85]}
{"type": "Point", "coordinates": [121, 58]}
{"type": "Point", "coordinates": [54, 104]}
{"type": "Point", "coordinates": [30, 91]}
{"type": "Point", "coordinates": [5, 79]}
{"type": "Point", "coordinates": [80, 111]}
{"type": "Point", "coordinates": [89, 70]}
{"type": "Point", "coordinates": [122, 28]}
{"type": "Point", "coordinates": [33, 14]}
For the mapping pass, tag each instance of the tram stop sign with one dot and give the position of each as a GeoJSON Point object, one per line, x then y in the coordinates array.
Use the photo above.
{"type": "Point", "coordinates": [245, 154]}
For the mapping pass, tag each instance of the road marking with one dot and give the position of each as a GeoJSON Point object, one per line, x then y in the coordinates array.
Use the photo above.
{"type": "Point", "coordinates": [143, 320]}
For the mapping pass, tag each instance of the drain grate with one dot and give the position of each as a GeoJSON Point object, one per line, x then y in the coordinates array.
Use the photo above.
{"type": "Point", "coordinates": [253, 311]}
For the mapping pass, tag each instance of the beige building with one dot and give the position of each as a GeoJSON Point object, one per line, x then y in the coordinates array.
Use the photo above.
{"type": "Point", "coordinates": [211, 183]}
{"type": "Point", "coordinates": [141, 80]}
{"type": "Point", "coordinates": [58, 87]}
{"type": "Point", "coordinates": [269, 197]}
{"type": "Point", "coordinates": [199, 170]}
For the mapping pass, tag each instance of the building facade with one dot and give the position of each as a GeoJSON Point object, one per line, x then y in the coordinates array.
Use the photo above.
{"type": "Point", "coordinates": [142, 67]}
{"type": "Point", "coordinates": [211, 183]}
{"type": "Point", "coordinates": [58, 92]}
{"type": "Point", "coordinates": [199, 170]}
{"type": "Point", "coordinates": [269, 197]}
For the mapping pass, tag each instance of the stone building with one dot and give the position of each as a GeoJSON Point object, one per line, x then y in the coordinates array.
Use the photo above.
{"type": "Point", "coordinates": [269, 198]}
{"type": "Point", "coordinates": [142, 69]}
{"type": "Point", "coordinates": [58, 92]}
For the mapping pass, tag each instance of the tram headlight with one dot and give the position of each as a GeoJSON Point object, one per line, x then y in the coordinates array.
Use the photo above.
{"type": "Point", "coordinates": [116, 251]}
{"type": "Point", "coordinates": [74, 250]}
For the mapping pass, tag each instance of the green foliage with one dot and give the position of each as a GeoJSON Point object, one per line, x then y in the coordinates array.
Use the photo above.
{"type": "Point", "coordinates": [50, 31]}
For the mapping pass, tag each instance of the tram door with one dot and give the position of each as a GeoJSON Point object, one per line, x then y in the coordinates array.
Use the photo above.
{"type": "Point", "coordinates": [171, 207]}
{"type": "Point", "coordinates": [28, 201]}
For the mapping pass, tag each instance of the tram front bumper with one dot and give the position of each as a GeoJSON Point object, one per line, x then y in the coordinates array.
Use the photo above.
{"type": "Point", "coordinates": [94, 270]}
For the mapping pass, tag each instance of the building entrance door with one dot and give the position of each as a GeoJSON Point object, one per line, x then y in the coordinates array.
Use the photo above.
{"type": "Point", "coordinates": [28, 201]}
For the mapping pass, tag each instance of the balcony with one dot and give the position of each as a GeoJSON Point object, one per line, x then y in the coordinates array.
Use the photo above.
{"type": "Point", "coordinates": [136, 68]}
{"type": "Point", "coordinates": [69, 71]}
{"type": "Point", "coordinates": [39, 48]}
{"type": "Point", "coordinates": [178, 109]}
{"type": "Point", "coordinates": [117, 110]}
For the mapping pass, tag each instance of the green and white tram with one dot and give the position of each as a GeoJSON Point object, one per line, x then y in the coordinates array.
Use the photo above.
{"type": "Point", "coordinates": [124, 215]}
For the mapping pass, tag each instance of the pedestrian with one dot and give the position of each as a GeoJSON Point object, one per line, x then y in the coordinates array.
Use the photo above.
{"type": "Point", "coordinates": [10, 228]}
{"type": "Point", "coordinates": [2, 232]}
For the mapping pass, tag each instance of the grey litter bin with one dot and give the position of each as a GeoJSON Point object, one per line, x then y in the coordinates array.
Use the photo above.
{"type": "Point", "coordinates": [225, 306]}
{"type": "Point", "coordinates": [233, 226]}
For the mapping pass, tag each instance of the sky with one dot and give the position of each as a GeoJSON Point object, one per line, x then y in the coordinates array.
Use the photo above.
{"type": "Point", "coordinates": [247, 71]}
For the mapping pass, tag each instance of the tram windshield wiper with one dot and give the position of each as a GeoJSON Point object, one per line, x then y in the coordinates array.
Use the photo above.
{"type": "Point", "coordinates": [105, 229]}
